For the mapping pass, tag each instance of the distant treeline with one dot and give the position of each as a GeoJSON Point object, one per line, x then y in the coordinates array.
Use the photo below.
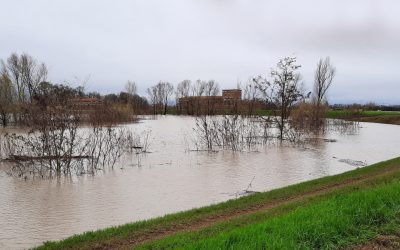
{"type": "Point", "coordinates": [24, 88]}
{"type": "Point", "coordinates": [25, 93]}
{"type": "Point", "coordinates": [368, 106]}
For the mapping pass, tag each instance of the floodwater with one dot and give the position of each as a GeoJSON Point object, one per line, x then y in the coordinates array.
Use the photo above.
{"type": "Point", "coordinates": [172, 178]}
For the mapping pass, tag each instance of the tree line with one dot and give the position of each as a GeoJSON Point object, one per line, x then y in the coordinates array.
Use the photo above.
{"type": "Point", "coordinates": [53, 114]}
{"type": "Point", "coordinates": [23, 84]}
{"type": "Point", "coordinates": [293, 111]}
{"type": "Point", "coordinates": [24, 88]}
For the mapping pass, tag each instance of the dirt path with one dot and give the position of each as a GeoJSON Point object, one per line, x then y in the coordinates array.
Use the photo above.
{"type": "Point", "coordinates": [156, 234]}
{"type": "Point", "coordinates": [382, 242]}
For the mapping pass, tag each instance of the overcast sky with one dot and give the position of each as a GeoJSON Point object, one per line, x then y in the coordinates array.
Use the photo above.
{"type": "Point", "coordinates": [110, 42]}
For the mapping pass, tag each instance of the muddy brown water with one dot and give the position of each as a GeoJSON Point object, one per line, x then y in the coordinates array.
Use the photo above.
{"type": "Point", "coordinates": [171, 178]}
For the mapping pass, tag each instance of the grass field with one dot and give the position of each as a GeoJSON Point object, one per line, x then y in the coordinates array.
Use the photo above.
{"type": "Point", "coordinates": [344, 113]}
{"type": "Point", "coordinates": [331, 212]}
{"type": "Point", "coordinates": [387, 117]}
{"type": "Point", "coordinates": [340, 221]}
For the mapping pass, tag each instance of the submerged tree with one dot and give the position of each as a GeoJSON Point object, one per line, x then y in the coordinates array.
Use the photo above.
{"type": "Point", "coordinates": [130, 97]}
{"type": "Point", "coordinates": [7, 93]}
{"type": "Point", "coordinates": [153, 98]}
{"type": "Point", "coordinates": [182, 90]}
{"type": "Point", "coordinates": [167, 89]}
{"type": "Point", "coordinates": [283, 90]}
{"type": "Point", "coordinates": [131, 89]}
{"type": "Point", "coordinates": [252, 94]}
{"type": "Point", "coordinates": [159, 96]}
{"type": "Point", "coordinates": [323, 79]}
{"type": "Point", "coordinates": [22, 74]}
{"type": "Point", "coordinates": [25, 74]}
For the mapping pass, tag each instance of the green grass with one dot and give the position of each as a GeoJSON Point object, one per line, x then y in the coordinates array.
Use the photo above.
{"type": "Point", "coordinates": [342, 113]}
{"type": "Point", "coordinates": [389, 117]}
{"type": "Point", "coordinates": [380, 113]}
{"type": "Point", "coordinates": [239, 231]}
{"type": "Point", "coordinates": [340, 221]}
{"type": "Point", "coordinates": [264, 112]}
{"type": "Point", "coordinates": [346, 113]}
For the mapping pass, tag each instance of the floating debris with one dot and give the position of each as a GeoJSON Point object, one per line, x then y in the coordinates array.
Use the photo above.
{"type": "Point", "coordinates": [241, 193]}
{"type": "Point", "coordinates": [166, 163]}
{"type": "Point", "coordinates": [330, 140]}
{"type": "Point", "coordinates": [354, 162]}
{"type": "Point", "coordinates": [245, 192]}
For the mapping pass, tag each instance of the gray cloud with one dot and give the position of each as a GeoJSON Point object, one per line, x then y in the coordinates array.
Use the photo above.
{"type": "Point", "coordinates": [147, 41]}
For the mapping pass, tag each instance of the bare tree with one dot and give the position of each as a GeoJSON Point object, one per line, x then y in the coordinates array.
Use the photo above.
{"type": "Point", "coordinates": [252, 93]}
{"type": "Point", "coordinates": [283, 90]}
{"type": "Point", "coordinates": [204, 88]}
{"type": "Point", "coordinates": [153, 98]}
{"type": "Point", "coordinates": [159, 96]}
{"type": "Point", "coordinates": [13, 70]}
{"type": "Point", "coordinates": [182, 90]}
{"type": "Point", "coordinates": [323, 79]}
{"type": "Point", "coordinates": [233, 132]}
{"type": "Point", "coordinates": [198, 88]}
{"type": "Point", "coordinates": [26, 74]}
{"type": "Point", "coordinates": [54, 145]}
{"type": "Point", "coordinates": [211, 88]}
{"type": "Point", "coordinates": [6, 98]}
{"type": "Point", "coordinates": [166, 89]}
{"type": "Point", "coordinates": [33, 73]}
{"type": "Point", "coordinates": [131, 88]}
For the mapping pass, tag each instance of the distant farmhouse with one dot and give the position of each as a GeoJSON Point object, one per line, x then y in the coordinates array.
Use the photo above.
{"type": "Point", "coordinates": [230, 102]}
{"type": "Point", "coordinates": [86, 104]}
{"type": "Point", "coordinates": [197, 105]}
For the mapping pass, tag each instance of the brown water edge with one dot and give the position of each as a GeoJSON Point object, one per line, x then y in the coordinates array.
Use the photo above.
{"type": "Point", "coordinates": [170, 179]}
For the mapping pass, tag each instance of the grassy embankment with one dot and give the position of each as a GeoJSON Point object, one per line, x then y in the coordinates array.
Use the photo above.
{"type": "Point", "coordinates": [388, 117]}
{"type": "Point", "coordinates": [331, 212]}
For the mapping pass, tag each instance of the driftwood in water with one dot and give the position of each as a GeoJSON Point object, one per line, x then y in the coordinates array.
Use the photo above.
{"type": "Point", "coordinates": [25, 158]}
